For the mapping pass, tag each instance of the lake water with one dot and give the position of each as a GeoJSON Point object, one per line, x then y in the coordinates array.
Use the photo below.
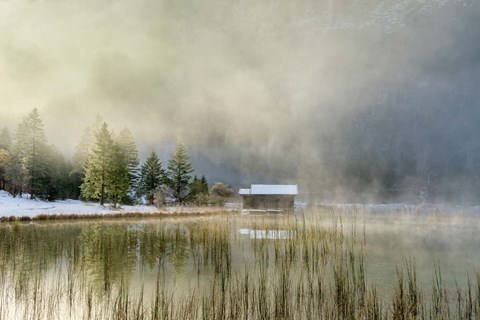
{"type": "Point", "coordinates": [100, 269]}
{"type": "Point", "coordinates": [448, 243]}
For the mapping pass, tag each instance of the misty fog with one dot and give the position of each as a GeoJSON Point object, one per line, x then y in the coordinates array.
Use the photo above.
{"type": "Point", "coordinates": [352, 100]}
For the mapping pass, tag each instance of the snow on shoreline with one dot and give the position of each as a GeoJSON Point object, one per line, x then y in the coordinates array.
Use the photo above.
{"type": "Point", "coordinates": [22, 207]}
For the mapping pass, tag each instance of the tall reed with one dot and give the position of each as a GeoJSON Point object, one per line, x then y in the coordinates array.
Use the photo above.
{"type": "Point", "coordinates": [290, 267]}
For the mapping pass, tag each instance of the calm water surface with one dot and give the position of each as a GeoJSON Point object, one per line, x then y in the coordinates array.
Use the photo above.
{"type": "Point", "coordinates": [186, 255]}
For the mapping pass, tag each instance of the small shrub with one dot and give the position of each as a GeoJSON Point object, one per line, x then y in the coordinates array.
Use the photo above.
{"type": "Point", "coordinates": [219, 193]}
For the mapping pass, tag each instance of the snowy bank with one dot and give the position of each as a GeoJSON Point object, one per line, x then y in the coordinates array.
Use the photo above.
{"type": "Point", "coordinates": [22, 207]}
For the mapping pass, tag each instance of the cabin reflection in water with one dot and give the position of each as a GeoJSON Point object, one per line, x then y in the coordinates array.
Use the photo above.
{"type": "Point", "coordinates": [274, 197]}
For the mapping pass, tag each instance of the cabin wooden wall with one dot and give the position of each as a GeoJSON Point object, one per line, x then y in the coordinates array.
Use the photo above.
{"type": "Point", "coordinates": [274, 202]}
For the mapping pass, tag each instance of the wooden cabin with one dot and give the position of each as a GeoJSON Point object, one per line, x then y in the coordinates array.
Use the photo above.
{"type": "Point", "coordinates": [274, 197]}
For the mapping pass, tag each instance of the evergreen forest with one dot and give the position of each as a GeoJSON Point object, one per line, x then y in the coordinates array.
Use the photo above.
{"type": "Point", "coordinates": [105, 168]}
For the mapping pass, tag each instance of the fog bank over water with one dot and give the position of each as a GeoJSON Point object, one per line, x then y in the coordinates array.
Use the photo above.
{"type": "Point", "coordinates": [353, 100]}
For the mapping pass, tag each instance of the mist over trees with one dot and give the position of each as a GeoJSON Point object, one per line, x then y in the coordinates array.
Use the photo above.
{"type": "Point", "coordinates": [407, 153]}
{"type": "Point", "coordinates": [380, 156]}
{"type": "Point", "coordinates": [128, 149]}
{"type": "Point", "coordinates": [365, 101]}
{"type": "Point", "coordinates": [105, 167]}
{"type": "Point", "coordinates": [31, 148]}
{"type": "Point", "coordinates": [28, 164]}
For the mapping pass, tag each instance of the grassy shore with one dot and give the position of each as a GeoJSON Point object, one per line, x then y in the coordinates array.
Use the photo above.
{"type": "Point", "coordinates": [203, 268]}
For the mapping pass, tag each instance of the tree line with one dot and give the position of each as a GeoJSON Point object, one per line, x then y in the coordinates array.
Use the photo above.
{"type": "Point", "coordinates": [105, 168]}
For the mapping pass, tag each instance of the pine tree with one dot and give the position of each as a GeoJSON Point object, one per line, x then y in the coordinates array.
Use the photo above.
{"type": "Point", "coordinates": [82, 152]}
{"type": "Point", "coordinates": [47, 172]}
{"type": "Point", "coordinates": [106, 171]}
{"type": "Point", "coordinates": [68, 184]}
{"type": "Point", "coordinates": [194, 186]}
{"type": "Point", "coordinates": [118, 183]}
{"type": "Point", "coordinates": [97, 166]}
{"type": "Point", "coordinates": [178, 173]}
{"type": "Point", "coordinates": [129, 149]}
{"type": "Point", "coordinates": [15, 175]}
{"type": "Point", "coordinates": [5, 139]}
{"type": "Point", "coordinates": [5, 144]}
{"type": "Point", "coordinates": [151, 177]}
{"type": "Point", "coordinates": [204, 185]}
{"type": "Point", "coordinates": [59, 183]}
{"type": "Point", "coordinates": [199, 189]}
{"type": "Point", "coordinates": [86, 145]}
{"type": "Point", "coordinates": [4, 163]}
{"type": "Point", "coordinates": [30, 146]}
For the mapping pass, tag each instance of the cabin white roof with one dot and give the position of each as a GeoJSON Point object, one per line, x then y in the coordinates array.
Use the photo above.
{"type": "Point", "coordinates": [244, 192]}
{"type": "Point", "coordinates": [270, 189]}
